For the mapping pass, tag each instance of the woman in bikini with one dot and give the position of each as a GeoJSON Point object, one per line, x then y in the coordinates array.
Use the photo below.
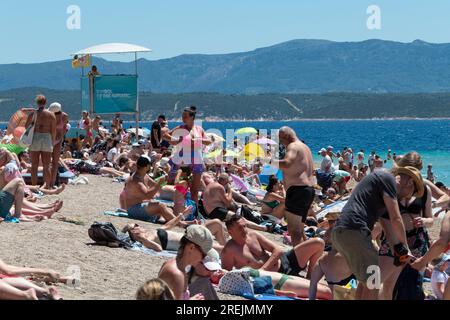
{"type": "Point", "coordinates": [417, 217]}
{"type": "Point", "coordinates": [62, 119]}
{"type": "Point", "coordinates": [189, 140]}
{"type": "Point", "coordinates": [332, 265]}
{"type": "Point", "coordinates": [273, 202]}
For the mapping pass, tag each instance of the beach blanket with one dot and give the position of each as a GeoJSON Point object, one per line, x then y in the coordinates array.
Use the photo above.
{"type": "Point", "coordinates": [137, 246]}
{"type": "Point", "coordinates": [268, 297]}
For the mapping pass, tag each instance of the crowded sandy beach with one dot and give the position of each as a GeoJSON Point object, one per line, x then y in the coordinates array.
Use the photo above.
{"type": "Point", "coordinates": [178, 213]}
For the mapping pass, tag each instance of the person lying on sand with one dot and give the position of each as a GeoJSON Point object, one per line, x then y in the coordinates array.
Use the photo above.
{"type": "Point", "coordinates": [165, 239]}
{"type": "Point", "coordinates": [13, 285]}
{"type": "Point", "coordinates": [251, 249]}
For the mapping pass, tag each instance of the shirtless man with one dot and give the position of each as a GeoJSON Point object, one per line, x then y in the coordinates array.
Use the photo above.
{"type": "Point", "coordinates": [297, 167]}
{"type": "Point", "coordinates": [43, 140]}
{"type": "Point", "coordinates": [139, 189]}
{"type": "Point", "coordinates": [251, 249]}
{"type": "Point", "coordinates": [218, 198]}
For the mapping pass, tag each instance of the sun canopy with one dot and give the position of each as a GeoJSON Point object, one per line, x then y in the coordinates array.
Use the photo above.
{"type": "Point", "coordinates": [110, 48]}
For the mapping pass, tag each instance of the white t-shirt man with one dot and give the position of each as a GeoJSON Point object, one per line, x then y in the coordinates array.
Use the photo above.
{"type": "Point", "coordinates": [327, 164]}
{"type": "Point", "coordinates": [436, 278]}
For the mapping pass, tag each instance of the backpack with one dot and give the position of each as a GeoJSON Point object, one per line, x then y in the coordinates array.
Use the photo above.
{"type": "Point", "coordinates": [104, 233]}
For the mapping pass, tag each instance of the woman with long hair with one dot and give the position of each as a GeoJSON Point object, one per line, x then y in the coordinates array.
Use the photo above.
{"type": "Point", "coordinates": [189, 140]}
{"type": "Point", "coordinates": [194, 247]}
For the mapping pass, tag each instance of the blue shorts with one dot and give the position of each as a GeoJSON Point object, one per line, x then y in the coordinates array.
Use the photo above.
{"type": "Point", "coordinates": [139, 212]}
{"type": "Point", "coordinates": [6, 203]}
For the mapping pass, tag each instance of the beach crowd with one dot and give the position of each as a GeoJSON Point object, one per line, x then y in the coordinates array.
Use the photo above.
{"type": "Point", "coordinates": [250, 215]}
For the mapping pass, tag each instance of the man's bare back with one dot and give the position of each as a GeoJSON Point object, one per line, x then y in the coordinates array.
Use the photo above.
{"type": "Point", "coordinates": [212, 197]}
{"type": "Point", "coordinates": [135, 190]}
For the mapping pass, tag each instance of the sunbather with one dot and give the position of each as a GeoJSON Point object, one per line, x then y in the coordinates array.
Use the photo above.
{"type": "Point", "coordinates": [251, 249]}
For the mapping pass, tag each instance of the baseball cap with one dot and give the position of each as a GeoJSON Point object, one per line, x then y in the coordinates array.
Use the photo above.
{"type": "Point", "coordinates": [330, 148]}
{"type": "Point", "coordinates": [441, 260]}
{"type": "Point", "coordinates": [323, 150]}
{"type": "Point", "coordinates": [200, 236]}
{"type": "Point", "coordinates": [212, 261]}
{"type": "Point", "coordinates": [143, 161]}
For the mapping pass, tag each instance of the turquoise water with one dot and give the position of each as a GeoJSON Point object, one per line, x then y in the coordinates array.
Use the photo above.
{"type": "Point", "coordinates": [431, 138]}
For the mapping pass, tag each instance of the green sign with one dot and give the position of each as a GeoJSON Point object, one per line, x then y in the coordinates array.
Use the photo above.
{"type": "Point", "coordinates": [112, 94]}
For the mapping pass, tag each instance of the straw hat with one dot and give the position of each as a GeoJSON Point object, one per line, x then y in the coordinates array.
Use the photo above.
{"type": "Point", "coordinates": [415, 175]}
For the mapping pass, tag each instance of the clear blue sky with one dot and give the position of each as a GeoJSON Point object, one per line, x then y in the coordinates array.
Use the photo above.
{"type": "Point", "coordinates": [35, 31]}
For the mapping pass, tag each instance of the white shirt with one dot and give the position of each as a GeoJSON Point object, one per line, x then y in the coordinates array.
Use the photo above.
{"type": "Point", "coordinates": [438, 277]}
{"type": "Point", "coordinates": [326, 165]}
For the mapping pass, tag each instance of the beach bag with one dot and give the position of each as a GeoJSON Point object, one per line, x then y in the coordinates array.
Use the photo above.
{"type": "Point", "coordinates": [27, 138]}
{"type": "Point", "coordinates": [236, 282]}
{"type": "Point", "coordinates": [104, 233]}
{"type": "Point", "coordinates": [248, 214]}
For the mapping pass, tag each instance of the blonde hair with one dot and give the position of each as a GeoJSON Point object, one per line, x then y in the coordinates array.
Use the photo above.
{"type": "Point", "coordinates": [155, 289]}
{"type": "Point", "coordinates": [41, 100]}
{"type": "Point", "coordinates": [411, 159]}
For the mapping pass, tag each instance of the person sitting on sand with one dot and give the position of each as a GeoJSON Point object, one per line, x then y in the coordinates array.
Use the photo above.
{"type": "Point", "coordinates": [251, 249]}
{"type": "Point", "coordinates": [13, 285]}
{"type": "Point", "coordinates": [165, 239]}
{"type": "Point", "coordinates": [156, 290]}
{"type": "Point", "coordinates": [440, 246]}
{"type": "Point", "coordinates": [332, 265]}
{"type": "Point", "coordinates": [218, 199]}
{"type": "Point", "coordinates": [7, 157]}
{"type": "Point", "coordinates": [194, 247]}
{"type": "Point", "coordinates": [12, 194]}
{"type": "Point", "coordinates": [139, 190]}
{"type": "Point", "coordinates": [273, 202]}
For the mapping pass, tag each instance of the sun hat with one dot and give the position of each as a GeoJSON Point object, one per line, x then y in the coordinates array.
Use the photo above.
{"type": "Point", "coordinates": [212, 261]}
{"type": "Point", "coordinates": [55, 107]}
{"type": "Point", "coordinates": [200, 236]}
{"type": "Point", "coordinates": [414, 174]}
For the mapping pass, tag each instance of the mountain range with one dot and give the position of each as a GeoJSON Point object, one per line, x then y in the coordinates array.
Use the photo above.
{"type": "Point", "coordinates": [294, 67]}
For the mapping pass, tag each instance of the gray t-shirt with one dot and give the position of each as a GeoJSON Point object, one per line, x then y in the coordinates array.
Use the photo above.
{"type": "Point", "coordinates": [366, 203]}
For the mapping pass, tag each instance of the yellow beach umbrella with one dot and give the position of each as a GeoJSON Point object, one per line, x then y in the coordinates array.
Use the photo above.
{"type": "Point", "coordinates": [246, 131]}
{"type": "Point", "coordinates": [253, 151]}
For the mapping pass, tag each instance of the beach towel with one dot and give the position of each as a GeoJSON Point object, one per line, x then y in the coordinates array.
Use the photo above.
{"type": "Point", "coordinates": [267, 297]}
{"type": "Point", "coordinates": [137, 246]}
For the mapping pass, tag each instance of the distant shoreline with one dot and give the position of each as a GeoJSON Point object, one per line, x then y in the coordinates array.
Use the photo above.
{"type": "Point", "coordinates": [293, 120]}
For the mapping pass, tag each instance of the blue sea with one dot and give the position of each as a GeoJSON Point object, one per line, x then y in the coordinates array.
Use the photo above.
{"type": "Point", "coordinates": [431, 138]}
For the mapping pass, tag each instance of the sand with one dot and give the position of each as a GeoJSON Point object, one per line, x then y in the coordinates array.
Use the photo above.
{"type": "Point", "coordinates": [106, 273]}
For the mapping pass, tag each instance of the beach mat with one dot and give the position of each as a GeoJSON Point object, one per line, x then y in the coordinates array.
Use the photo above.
{"type": "Point", "coordinates": [139, 247]}
{"type": "Point", "coordinates": [267, 297]}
